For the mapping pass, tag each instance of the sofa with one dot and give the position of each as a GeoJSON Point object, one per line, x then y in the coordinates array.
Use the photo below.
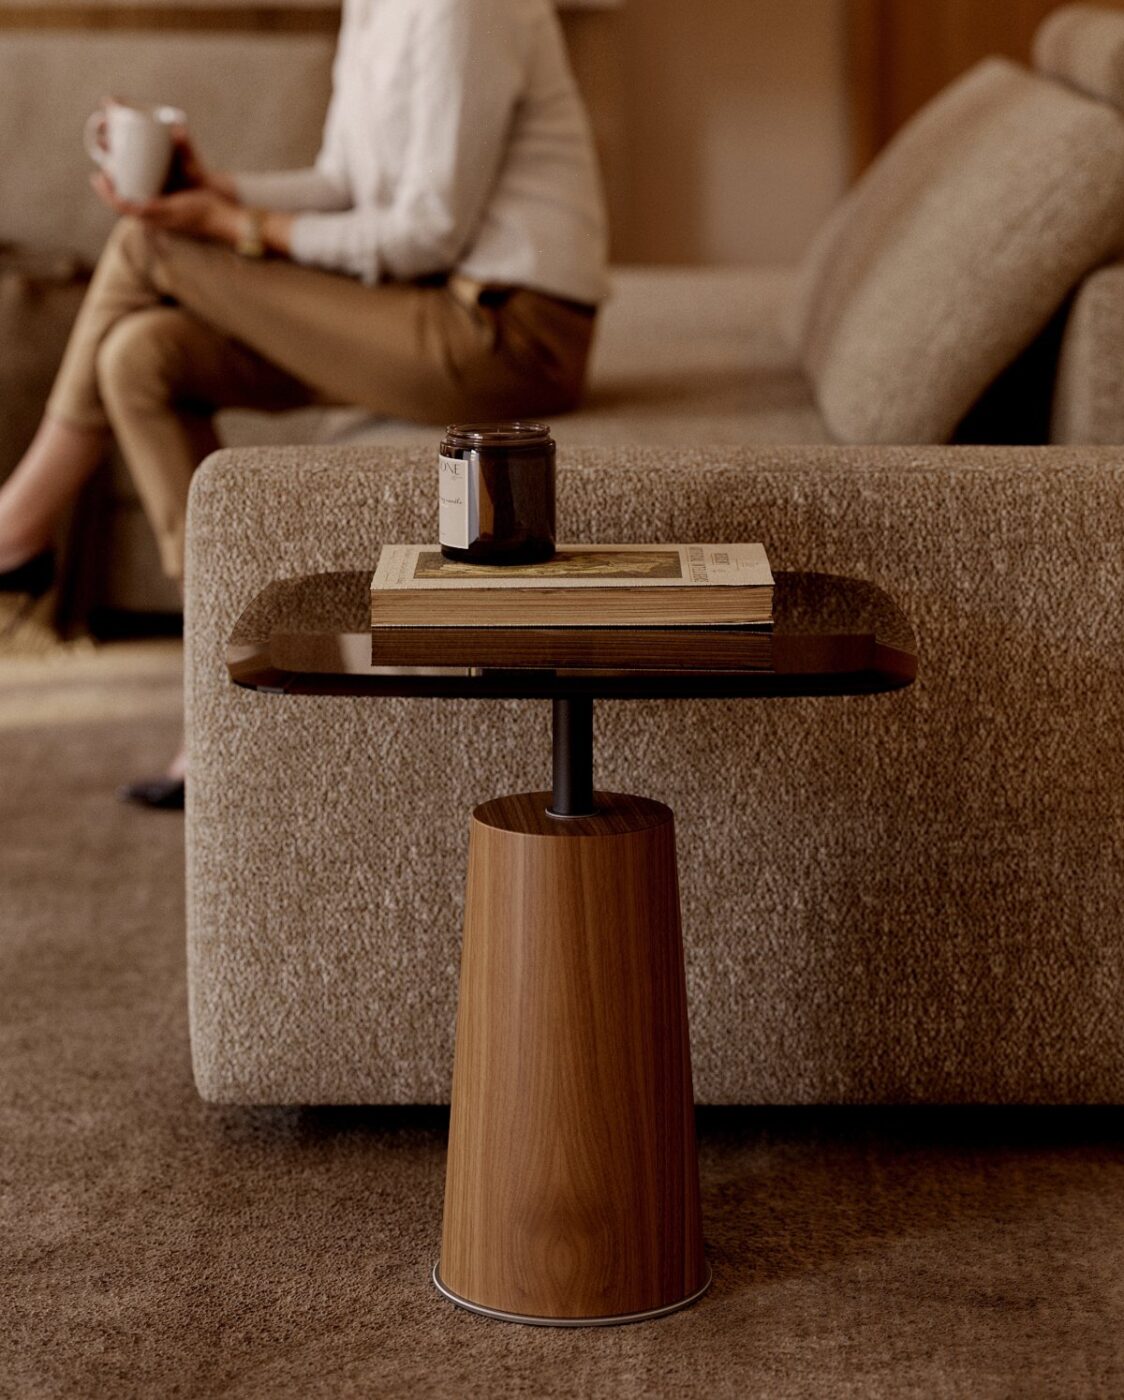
{"type": "Point", "coordinates": [898, 899]}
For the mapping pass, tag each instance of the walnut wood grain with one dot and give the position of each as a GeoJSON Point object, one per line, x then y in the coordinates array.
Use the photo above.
{"type": "Point", "coordinates": [572, 1188]}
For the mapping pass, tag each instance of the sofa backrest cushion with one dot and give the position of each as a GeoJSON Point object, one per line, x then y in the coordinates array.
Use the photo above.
{"type": "Point", "coordinates": [1084, 45]}
{"type": "Point", "coordinates": [954, 250]}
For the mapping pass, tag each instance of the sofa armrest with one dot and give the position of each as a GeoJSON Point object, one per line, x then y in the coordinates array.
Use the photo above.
{"type": "Point", "coordinates": [1089, 391]}
{"type": "Point", "coordinates": [886, 899]}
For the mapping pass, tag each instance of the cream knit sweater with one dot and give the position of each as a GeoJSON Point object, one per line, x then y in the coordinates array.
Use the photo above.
{"type": "Point", "coordinates": [455, 140]}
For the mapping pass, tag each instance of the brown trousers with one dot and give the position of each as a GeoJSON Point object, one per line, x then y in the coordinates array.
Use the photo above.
{"type": "Point", "coordinates": [174, 329]}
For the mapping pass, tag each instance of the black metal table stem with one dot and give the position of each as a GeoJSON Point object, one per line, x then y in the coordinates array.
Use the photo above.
{"type": "Point", "coordinates": [573, 758]}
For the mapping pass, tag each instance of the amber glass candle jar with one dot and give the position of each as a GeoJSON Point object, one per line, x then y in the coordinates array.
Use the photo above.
{"type": "Point", "coordinates": [497, 493]}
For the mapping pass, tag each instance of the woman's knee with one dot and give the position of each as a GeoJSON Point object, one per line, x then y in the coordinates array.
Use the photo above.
{"type": "Point", "coordinates": [140, 355]}
{"type": "Point", "coordinates": [130, 238]}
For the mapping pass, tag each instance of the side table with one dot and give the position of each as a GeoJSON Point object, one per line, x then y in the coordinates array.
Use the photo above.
{"type": "Point", "coordinates": [572, 1194]}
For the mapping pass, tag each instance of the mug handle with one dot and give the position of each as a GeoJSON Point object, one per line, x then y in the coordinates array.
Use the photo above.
{"type": "Point", "coordinates": [93, 136]}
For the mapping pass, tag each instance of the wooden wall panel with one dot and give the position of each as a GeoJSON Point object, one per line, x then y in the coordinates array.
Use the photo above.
{"type": "Point", "coordinates": [902, 52]}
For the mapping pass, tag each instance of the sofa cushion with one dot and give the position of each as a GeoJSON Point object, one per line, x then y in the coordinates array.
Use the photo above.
{"type": "Point", "coordinates": [1088, 401]}
{"type": "Point", "coordinates": [682, 355]}
{"type": "Point", "coordinates": [1084, 45]}
{"type": "Point", "coordinates": [955, 249]}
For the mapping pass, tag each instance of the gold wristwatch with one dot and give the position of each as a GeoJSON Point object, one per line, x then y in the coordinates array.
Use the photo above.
{"type": "Point", "coordinates": [250, 242]}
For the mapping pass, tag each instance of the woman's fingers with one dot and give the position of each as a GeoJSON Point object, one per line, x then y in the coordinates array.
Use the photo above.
{"type": "Point", "coordinates": [103, 188]}
{"type": "Point", "coordinates": [187, 211]}
{"type": "Point", "coordinates": [188, 169]}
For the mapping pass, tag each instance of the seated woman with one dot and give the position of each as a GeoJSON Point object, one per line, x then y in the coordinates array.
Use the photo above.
{"type": "Point", "coordinates": [443, 260]}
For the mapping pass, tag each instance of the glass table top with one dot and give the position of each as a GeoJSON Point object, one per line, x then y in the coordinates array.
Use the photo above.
{"type": "Point", "coordinates": [830, 636]}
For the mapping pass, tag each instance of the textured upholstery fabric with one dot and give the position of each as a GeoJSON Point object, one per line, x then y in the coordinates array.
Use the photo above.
{"type": "Point", "coordinates": [1089, 390]}
{"type": "Point", "coordinates": [1084, 45]}
{"type": "Point", "coordinates": [955, 250]}
{"type": "Point", "coordinates": [913, 897]}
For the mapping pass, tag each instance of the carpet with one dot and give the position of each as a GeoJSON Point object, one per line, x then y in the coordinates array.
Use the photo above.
{"type": "Point", "coordinates": [151, 1246]}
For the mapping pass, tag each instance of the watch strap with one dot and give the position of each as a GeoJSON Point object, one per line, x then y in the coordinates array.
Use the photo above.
{"type": "Point", "coordinates": [250, 242]}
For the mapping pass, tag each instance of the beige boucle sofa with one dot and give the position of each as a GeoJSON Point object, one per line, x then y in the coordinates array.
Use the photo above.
{"type": "Point", "coordinates": [890, 899]}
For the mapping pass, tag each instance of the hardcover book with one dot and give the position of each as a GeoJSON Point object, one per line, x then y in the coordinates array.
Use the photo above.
{"type": "Point", "coordinates": [583, 586]}
{"type": "Point", "coordinates": [576, 648]}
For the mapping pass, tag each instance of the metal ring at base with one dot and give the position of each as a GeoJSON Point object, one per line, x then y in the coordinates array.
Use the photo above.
{"type": "Point", "coordinates": [618, 1320]}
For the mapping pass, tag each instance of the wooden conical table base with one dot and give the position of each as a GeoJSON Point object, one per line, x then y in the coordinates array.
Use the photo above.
{"type": "Point", "coordinates": [572, 1194]}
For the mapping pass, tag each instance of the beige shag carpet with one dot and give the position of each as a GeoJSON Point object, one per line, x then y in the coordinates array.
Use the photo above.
{"type": "Point", "coordinates": [152, 1246]}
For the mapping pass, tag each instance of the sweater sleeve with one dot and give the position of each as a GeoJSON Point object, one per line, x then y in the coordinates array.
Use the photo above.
{"type": "Point", "coordinates": [321, 187]}
{"type": "Point", "coordinates": [292, 191]}
{"type": "Point", "coordinates": [470, 63]}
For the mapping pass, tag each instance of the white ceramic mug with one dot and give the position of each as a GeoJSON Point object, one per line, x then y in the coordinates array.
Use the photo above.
{"type": "Point", "coordinates": [133, 145]}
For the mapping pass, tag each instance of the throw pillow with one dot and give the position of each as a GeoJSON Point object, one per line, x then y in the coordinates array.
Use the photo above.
{"type": "Point", "coordinates": [1084, 45]}
{"type": "Point", "coordinates": [955, 249]}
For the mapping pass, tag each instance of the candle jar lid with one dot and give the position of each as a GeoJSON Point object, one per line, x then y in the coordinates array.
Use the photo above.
{"type": "Point", "coordinates": [492, 436]}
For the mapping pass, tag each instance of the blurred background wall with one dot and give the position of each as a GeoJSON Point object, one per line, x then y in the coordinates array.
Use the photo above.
{"type": "Point", "coordinates": [736, 128]}
{"type": "Point", "coordinates": [741, 122]}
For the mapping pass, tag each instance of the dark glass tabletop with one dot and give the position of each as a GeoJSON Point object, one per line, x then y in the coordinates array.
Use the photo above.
{"type": "Point", "coordinates": [830, 636]}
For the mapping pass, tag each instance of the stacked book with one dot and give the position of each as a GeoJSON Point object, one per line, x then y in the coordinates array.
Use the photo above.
{"type": "Point", "coordinates": [650, 607]}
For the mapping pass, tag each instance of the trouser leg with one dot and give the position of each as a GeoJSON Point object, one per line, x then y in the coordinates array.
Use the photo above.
{"type": "Point", "coordinates": [120, 286]}
{"type": "Point", "coordinates": [275, 334]}
{"type": "Point", "coordinates": [156, 375]}
{"type": "Point", "coordinates": [161, 375]}
{"type": "Point", "coordinates": [397, 349]}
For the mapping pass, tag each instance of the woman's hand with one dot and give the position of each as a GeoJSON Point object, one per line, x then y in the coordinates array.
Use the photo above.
{"type": "Point", "coordinates": [189, 172]}
{"type": "Point", "coordinates": [195, 213]}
